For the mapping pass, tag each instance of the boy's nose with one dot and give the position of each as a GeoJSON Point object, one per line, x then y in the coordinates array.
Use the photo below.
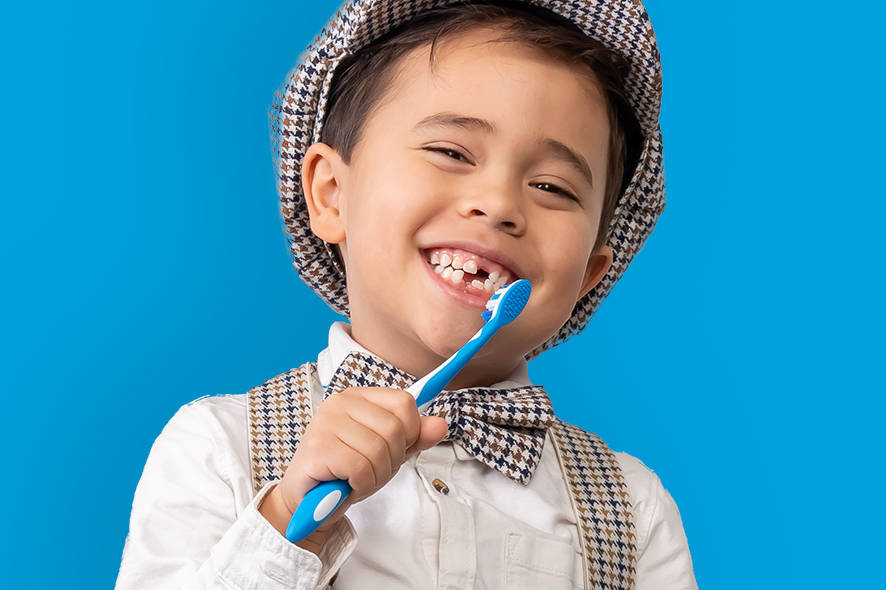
{"type": "Point", "coordinates": [500, 210]}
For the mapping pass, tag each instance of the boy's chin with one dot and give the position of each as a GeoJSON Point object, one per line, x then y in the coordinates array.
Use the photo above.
{"type": "Point", "coordinates": [445, 339]}
{"type": "Point", "coordinates": [444, 336]}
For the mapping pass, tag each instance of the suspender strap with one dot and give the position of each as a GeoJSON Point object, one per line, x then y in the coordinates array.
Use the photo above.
{"type": "Point", "coordinates": [278, 411]}
{"type": "Point", "coordinates": [602, 506]}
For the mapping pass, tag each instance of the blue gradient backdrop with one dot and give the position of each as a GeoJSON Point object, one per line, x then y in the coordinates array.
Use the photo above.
{"type": "Point", "coordinates": [144, 266]}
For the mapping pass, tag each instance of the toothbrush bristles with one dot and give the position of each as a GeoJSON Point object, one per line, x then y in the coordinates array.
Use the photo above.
{"type": "Point", "coordinates": [493, 302]}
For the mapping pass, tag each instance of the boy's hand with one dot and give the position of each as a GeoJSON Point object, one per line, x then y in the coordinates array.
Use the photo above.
{"type": "Point", "coordinates": [362, 435]}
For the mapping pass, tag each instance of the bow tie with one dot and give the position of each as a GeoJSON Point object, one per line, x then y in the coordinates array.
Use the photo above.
{"type": "Point", "coordinates": [503, 428]}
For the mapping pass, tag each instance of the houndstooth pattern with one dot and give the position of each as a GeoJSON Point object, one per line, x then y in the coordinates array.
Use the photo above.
{"type": "Point", "coordinates": [299, 105]}
{"type": "Point", "coordinates": [278, 415]}
{"type": "Point", "coordinates": [603, 504]}
{"type": "Point", "coordinates": [366, 370]}
{"type": "Point", "coordinates": [279, 411]}
{"type": "Point", "coordinates": [502, 428]}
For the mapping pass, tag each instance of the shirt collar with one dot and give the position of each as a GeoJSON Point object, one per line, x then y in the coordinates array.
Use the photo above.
{"type": "Point", "coordinates": [341, 343]}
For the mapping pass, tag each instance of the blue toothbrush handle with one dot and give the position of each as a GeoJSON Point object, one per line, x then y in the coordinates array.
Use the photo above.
{"type": "Point", "coordinates": [327, 496]}
{"type": "Point", "coordinates": [437, 380]}
{"type": "Point", "coordinates": [316, 507]}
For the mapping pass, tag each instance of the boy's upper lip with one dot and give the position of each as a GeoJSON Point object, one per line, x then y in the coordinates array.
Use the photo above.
{"type": "Point", "coordinates": [479, 249]}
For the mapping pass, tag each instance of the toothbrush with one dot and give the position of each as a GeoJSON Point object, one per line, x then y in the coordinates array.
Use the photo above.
{"type": "Point", "coordinates": [501, 309]}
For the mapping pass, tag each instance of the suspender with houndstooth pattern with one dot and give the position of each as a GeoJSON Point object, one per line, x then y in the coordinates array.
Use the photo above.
{"type": "Point", "coordinates": [280, 409]}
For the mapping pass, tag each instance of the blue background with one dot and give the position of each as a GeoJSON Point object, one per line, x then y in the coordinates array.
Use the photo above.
{"type": "Point", "coordinates": [145, 266]}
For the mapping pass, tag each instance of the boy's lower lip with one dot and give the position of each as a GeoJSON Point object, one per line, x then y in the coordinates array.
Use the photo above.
{"type": "Point", "coordinates": [458, 293]}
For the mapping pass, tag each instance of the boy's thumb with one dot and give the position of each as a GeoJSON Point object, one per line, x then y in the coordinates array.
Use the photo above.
{"type": "Point", "coordinates": [433, 429]}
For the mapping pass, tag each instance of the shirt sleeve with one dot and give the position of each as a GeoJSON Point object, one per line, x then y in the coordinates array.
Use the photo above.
{"type": "Point", "coordinates": [185, 531]}
{"type": "Point", "coordinates": [663, 559]}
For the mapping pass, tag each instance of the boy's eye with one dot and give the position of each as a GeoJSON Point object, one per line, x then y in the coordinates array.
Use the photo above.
{"type": "Point", "coordinates": [557, 189]}
{"type": "Point", "coordinates": [447, 151]}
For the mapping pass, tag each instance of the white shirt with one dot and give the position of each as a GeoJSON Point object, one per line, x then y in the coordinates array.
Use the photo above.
{"type": "Point", "coordinates": [195, 522]}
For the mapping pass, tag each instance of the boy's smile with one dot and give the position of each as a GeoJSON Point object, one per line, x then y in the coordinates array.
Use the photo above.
{"type": "Point", "coordinates": [470, 272]}
{"type": "Point", "coordinates": [464, 177]}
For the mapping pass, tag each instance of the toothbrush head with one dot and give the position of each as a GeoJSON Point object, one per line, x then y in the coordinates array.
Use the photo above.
{"type": "Point", "coordinates": [507, 302]}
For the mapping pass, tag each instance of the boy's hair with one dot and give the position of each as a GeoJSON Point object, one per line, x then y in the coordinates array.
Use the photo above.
{"type": "Point", "coordinates": [361, 80]}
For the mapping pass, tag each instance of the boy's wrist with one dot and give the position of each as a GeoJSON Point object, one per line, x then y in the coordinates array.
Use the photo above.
{"type": "Point", "coordinates": [273, 509]}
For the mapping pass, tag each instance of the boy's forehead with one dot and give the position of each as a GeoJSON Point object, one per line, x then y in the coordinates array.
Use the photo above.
{"type": "Point", "coordinates": [462, 91]}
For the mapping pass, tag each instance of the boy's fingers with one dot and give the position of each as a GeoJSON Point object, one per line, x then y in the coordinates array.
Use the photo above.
{"type": "Point", "coordinates": [433, 429]}
{"type": "Point", "coordinates": [371, 445]}
{"type": "Point", "coordinates": [386, 424]}
{"type": "Point", "coordinates": [398, 402]}
{"type": "Point", "coordinates": [336, 461]}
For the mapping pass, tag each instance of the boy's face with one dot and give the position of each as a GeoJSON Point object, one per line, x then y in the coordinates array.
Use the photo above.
{"type": "Point", "coordinates": [400, 201]}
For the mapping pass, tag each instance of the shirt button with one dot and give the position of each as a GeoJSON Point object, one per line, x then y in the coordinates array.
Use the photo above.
{"type": "Point", "coordinates": [440, 486]}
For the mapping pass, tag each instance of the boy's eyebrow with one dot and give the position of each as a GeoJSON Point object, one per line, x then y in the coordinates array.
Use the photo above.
{"type": "Point", "coordinates": [446, 119]}
{"type": "Point", "coordinates": [560, 150]}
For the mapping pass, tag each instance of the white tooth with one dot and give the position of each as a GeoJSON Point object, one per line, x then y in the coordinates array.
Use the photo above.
{"type": "Point", "coordinates": [493, 276]}
{"type": "Point", "coordinates": [471, 266]}
{"type": "Point", "coordinates": [445, 259]}
{"type": "Point", "coordinates": [456, 262]}
{"type": "Point", "coordinates": [447, 272]}
{"type": "Point", "coordinates": [487, 284]}
{"type": "Point", "coordinates": [435, 258]}
{"type": "Point", "coordinates": [438, 269]}
{"type": "Point", "coordinates": [457, 276]}
{"type": "Point", "coordinates": [478, 284]}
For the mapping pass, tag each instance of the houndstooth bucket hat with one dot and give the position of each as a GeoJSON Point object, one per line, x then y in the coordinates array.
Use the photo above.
{"type": "Point", "coordinates": [297, 112]}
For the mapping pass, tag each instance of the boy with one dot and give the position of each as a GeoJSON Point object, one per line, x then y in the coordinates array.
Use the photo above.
{"type": "Point", "coordinates": [462, 147]}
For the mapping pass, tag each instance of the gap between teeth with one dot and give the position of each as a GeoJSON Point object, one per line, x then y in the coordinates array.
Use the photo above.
{"type": "Point", "coordinates": [453, 270]}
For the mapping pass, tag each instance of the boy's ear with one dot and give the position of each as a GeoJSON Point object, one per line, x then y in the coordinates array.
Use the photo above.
{"type": "Point", "coordinates": [598, 266]}
{"type": "Point", "coordinates": [321, 183]}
